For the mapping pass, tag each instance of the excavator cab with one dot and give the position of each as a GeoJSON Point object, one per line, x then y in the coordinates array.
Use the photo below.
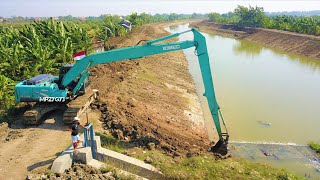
{"type": "Point", "coordinates": [63, 71]}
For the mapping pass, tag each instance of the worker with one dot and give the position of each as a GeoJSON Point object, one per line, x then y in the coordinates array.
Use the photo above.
{"type": "Point", "coordinates": [75, 133]}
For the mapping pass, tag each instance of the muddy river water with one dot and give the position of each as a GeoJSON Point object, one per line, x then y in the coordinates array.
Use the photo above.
{"type": "Point", "coordinates": [266, 96]}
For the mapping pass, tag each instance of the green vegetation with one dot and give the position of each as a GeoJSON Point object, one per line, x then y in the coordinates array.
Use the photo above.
{"type": "Point", "coordinates": [255, 17]}
{"type": "Point", "coordinates": [110, 142]}
{"type": "Point", "coordinates": [204, 166]}
{"type": "Point", "coordinates": [41, 47]}
{"type": "Point", "coordinates": [38, 48]}
{"type": "Point", "coordinates": [315, 147]}
{"type": "Point", "coordinates": [116, 173]}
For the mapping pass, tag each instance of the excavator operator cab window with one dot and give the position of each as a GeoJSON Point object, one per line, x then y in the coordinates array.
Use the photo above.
{"type": "Point", "coordinates": [63, 71]}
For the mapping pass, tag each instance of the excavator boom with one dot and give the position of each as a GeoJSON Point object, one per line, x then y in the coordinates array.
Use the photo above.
{"type": "Point", "coordinates": [151, 48]}
{"type": "Point", "coordinates": [80, 70]}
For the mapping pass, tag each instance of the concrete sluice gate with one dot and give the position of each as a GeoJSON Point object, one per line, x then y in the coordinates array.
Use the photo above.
{"type": "Point", "coordinates": [296, 158]}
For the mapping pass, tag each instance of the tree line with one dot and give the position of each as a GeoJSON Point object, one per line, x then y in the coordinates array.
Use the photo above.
{"type": "Point", "coordinates": [41, 47]}
{"type": "Point", "coordinates": [256, 17]}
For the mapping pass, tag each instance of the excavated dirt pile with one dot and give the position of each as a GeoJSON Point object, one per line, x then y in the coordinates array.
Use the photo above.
{"type": "Point", "coordinates": [7, 134]}
{"type": "Point", "coordinates": [4, 131]}
{"type": "Point", "coordinates": [152, 99]}
{"type": "Point", "coordinates": [78, 171]}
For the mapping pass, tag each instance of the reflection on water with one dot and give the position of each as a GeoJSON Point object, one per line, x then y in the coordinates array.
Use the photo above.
{"type": "Point", "coordinates": [250, 49]}
{"type": "Point", "coordinates": [266, 95]}
{"type": "Point", "coordinates": [247, 49]}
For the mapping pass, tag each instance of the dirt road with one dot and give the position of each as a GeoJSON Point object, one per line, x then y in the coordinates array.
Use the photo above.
{"type": "Point", "coordinates": [33, 148]}
{"type": "Point", "coordinates": [302, 44]}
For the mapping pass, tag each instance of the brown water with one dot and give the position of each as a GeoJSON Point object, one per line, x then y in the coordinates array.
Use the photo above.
{"type": "Point", "coordinates": [267, 96]}
{"type": "Point", "coordinates": [257, 86]}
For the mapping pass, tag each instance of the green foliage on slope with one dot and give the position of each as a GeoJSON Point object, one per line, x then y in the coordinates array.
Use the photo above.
{"type": "Point", "coordinates": [255, 17]}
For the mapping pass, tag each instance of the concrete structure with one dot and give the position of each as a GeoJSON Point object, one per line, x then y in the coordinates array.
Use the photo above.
{"type": "Point", "coordinates": [64, 161]}
{"type": "Point", "coordinates": [84, 155]}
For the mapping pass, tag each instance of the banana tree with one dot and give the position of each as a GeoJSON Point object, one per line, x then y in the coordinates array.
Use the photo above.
{"type": "Point", "coordinates": [6, 92]}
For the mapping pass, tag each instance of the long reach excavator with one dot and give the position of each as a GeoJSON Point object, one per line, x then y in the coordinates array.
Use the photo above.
{"type": "Point", "coordinates": [70, 90]}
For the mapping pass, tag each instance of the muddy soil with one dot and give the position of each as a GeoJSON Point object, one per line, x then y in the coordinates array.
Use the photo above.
{"type": "Point", "coordinates": [152, 99]}
{"type": "Point", "coordinates": [78, 171]}
{"type": "Point", "coordinates": [302, 44]}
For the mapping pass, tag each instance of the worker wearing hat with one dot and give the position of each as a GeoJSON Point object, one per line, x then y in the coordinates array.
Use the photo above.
{"type": "Point", "coordinates": [75, 133]}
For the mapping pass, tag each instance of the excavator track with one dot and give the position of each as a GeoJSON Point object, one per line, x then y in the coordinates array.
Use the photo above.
{"type": "Point", "coordinates": [36, 113]}
{"type": "Point", "coordinates": [72, 109]}
{"type": "Point", "coordinates": [79, 105]}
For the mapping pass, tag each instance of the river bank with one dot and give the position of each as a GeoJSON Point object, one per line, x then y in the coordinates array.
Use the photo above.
{"type": "Point", "coordinates": [147, 104]}
{"type": "Point", "coordinates": [301, 44]}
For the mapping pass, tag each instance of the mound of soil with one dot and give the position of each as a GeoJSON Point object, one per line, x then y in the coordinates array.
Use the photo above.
{"type": "Point", "coordinates": [78, 171]}
{"type": "Point", "coordinates": [152, 99]}
{"type": "Point", "coordinates": [7, 134]}
{"type": "Point", "coordinates": [4, 131]}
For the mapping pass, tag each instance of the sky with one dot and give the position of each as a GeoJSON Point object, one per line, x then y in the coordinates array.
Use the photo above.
{"type": "Point", "coordinates": [51, 8]}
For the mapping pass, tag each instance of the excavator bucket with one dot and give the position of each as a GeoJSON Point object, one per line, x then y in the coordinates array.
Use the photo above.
{"type": "Point", "coordinates": [221, 147]}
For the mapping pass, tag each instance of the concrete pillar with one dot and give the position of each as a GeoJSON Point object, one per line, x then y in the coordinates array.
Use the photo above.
{"type": "Point", "coordinates": [84, 155]}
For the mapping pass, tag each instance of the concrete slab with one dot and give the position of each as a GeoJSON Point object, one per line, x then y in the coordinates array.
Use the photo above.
{"type": "Point", "coordinates": [64, 160]}
{"type": "Point", "coordinates": [97, 143]}
{"type": "Point", "coordinates": [129, 164]}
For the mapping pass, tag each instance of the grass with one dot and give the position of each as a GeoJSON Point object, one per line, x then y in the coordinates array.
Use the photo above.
{"type": "Point", "coordinates": [315, 147]}
{"type": "Point", "coordinates": [147, 75]}
{"type": "Point", "coordinates": [204, 166]}
{"type": "Point", "coordinates": [116, 173]}
{"type": "Point", "coordinates": [110, 142]}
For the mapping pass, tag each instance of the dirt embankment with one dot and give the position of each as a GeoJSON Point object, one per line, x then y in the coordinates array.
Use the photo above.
{"type": "Point", "coordinates": [306, 45]}
{"type": "Point", "coordinates": [152, 99]}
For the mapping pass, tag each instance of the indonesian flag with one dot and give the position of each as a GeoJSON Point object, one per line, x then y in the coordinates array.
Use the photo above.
{"type": "Point", "coordinates": [79, 55]}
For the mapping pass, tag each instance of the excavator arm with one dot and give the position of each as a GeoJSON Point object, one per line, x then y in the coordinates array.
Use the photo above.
{"type": "Point", "coordinates": [80, 68]}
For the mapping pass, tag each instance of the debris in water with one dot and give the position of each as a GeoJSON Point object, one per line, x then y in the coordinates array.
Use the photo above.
{"type": "Point", "coordinates": [264, 123]}
{"type": "Point", "coordinates": [265, 152]}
